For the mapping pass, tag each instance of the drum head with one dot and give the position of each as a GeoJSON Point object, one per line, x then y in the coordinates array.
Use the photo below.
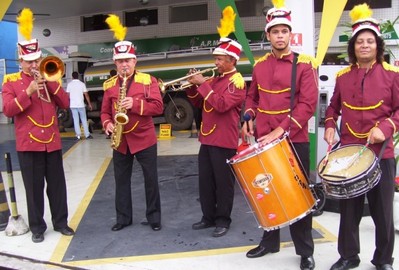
{"type": "Point", "coordinates": [342, 163]}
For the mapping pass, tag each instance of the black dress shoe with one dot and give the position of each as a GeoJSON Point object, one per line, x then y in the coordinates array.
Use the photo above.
{"type": "Point", "coordinates": [220, 231]}
{"type": "Point", "coordinates": [156, 226]}
{"type": "Point", "coordinates": [118, 226]}
{"type": "Point", "coordinates": [343, 264]}
{"type": "Point", "coordinates": [201, 225]}
{"type": "Point", "coordinates": [260, 251]}
{"type": "Point", "coordinates": [37, 237]}
{"type": "Point", "coordinates": [384, 267]}
{"type": "Point", "coordinates": [66, 231]}
{"type": "Point", "coordinates": [307, 263]}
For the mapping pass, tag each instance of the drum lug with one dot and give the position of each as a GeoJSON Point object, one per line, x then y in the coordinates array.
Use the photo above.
{"type": "Point", "coordinates": [266, 190]}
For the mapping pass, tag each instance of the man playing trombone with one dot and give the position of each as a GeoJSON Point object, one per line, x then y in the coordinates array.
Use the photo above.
{"type": "Point", "coordinates": [32, 102]}
{"type": "Point", "coordinates": [221, 100]}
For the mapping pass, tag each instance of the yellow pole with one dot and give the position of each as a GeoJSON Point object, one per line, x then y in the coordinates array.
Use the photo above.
{"type": "Point", "coordinates": [332, 11]}
{"type": "Point", "coordinates": [4, 5]}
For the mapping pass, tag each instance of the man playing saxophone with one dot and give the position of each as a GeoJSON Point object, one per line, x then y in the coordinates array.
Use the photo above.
{"type": "Point", "coordinates": [130, 100]}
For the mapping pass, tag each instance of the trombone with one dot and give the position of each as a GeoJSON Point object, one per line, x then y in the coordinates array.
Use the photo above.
{"type": "Point", "coordinates": [52, 69]}
{"type": "Point", "coordinates": [182, 86]}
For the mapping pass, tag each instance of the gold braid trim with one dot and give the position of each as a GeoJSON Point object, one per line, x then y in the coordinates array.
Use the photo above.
{"type": "Point", "coordinates": [13, 77]}
{"type": "Point", "coordinates": [274, 112]}
{"type": "Point", "coordinates": [360, 135]}
{"type": "Point", "coordinates": [40, 125]}
{"type": "Point", "coordinates": [330, 118]}
{"type": "Point", "coordinates": [40, 141]}
{"type": "Point", "coordinates": [110, 83]}
{"type": "Point", "coordinates": [206, 134]}
{"type": "Point", "coordinates": [274, 91]}
{"type": "Point", "coordinates": [205, 109]}
{"type": "Point", "coordinates": [194, 96]}
{"type": "Point", "coordinates": [263, 58]}
{"type": "Point", "coordinates": [393, 124]}
{"type": "Point", "coordinates": [343, 71]}
{"type": "Point", "coordinates": [130, 130]}
{"type": "Point", "coordinates": [389, 67]}
{"type": "Point", "coordinates": [141, 107]}
{"type": "Point", "coordinates": [238, 81]}
{"type": "Point", "coordinates": [307, 59]}
{"type": "Point", "coordinates": [19, 105]}
{"type": "Point", "coordinates": [295, 121]}
{"type": "Point", "coordinates": [56, 91]}
{"type": "Point", "coordinates": [363, 108]}
{"type": "Point", "coordinates": [142, 78]}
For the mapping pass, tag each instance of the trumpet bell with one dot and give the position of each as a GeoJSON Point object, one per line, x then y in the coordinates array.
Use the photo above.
{"type": "Point", "coordinates": [52, 68]}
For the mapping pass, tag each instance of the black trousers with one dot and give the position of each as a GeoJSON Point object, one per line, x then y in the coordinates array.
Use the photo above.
{"type": "Point", "coordinates": [38, 168]}
{"type": "Point", "coordinates": [380, 201]}
{"type": "Point", "coordinates": [216, 184]}
{"type": "Point", "coordinates": [123, 168]}
{"type": "Point", "coordinates": [301, 230]}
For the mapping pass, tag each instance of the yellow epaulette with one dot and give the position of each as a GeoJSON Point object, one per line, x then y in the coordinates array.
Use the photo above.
{"type": "Point", "coordinates": [143, 78]}
{"type": "Point", "coordinates": [13, 77]}
{"type": "Point", "coordinates": [343, 71]}
{"type": "Point", "coordinates": [238, 80]}
{"type": "Point", "coordinates": [389, 67]}
{"type": "Point", "coordinates": [263, 58]}
{"type": "Point", "coordinates": [307, 59]}
{"type": "Point", "coordinates": [110, 83]}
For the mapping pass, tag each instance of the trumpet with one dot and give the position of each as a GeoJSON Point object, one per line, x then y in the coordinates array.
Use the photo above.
{"type": "Point", "coordinates": [182, 86]}
{"type": "Point", "coordinates": [52, 69]}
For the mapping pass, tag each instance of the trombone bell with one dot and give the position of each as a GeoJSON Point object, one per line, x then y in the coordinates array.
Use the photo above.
{"type": "Point", "coordinates": [51, 68]}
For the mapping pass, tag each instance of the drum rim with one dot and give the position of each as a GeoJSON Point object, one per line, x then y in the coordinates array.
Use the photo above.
{"type": "Point", "coordinates": [256, 150]}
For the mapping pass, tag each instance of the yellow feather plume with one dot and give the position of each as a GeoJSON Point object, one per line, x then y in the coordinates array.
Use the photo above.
{"type": "Point", "coordinates": [278, 3]}
{"type": "Point", "coordinates": [362, 11]}
{"type": "Point", "coordinates": [116, 26]}
{"type": "Point", "coordinates": [25, 23]}
{"type": "Point", "coordinates": [227, 22]}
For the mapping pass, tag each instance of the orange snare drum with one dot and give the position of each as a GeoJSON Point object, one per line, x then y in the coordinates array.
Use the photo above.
{"type": "Point", "coordinates": [274, 185]}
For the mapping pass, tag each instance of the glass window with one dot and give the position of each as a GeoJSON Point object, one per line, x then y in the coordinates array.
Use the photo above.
{"type": "Point", "coordinates": [188, 13]}
{"type": "Point", "coordinates": [141, 17]}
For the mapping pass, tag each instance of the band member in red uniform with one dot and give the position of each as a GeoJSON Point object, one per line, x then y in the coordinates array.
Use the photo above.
{"type": "Point", "coordinates": [221, 100]}
{"type": "Point", "coordinates": [136, 97]}
{"type": "Point", "coordinates": [366, 96]}
{"type": "Point", "coordinates": [268, 102]}
{"type": "Point", "coordinates": [38, 141]}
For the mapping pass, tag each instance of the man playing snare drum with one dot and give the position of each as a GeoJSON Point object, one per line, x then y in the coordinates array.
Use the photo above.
{"type": "Point", "coordinates": [268, 102]}
{"type": "Point", "coordinates": [366, 95]}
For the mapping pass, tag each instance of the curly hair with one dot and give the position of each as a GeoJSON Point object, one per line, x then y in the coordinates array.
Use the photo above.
{"type": "Point", "coordinates": [380, 47]}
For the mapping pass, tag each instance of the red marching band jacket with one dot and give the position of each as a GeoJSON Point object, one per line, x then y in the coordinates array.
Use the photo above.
{"type": "Point", "coordinates": [139, 133]}
{"type": "Point", "coordinates": [35, 120]}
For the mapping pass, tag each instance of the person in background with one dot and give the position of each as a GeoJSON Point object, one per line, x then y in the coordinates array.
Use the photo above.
{"type": "Point", "coordinates": [366, 97]}
{"type": "Point", "coordinates": [221, 100]}
{"type": "Point", "coordinates": [32, 102]}
{"type": "Point", "coordinates": [77, 90]}
{"type": "Point", "coordinates": [269, 103]}
{"type": "Point", "coordinates": [137, 95]}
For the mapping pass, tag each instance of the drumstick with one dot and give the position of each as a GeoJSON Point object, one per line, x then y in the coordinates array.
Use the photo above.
{"type": "Point", "coordinates": [326, 158]}
{"type": "Point", "coordinates": [358, 154]}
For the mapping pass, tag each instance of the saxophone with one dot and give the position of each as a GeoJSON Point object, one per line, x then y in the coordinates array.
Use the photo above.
{"type": "Point", "coordinates": [120, 117]}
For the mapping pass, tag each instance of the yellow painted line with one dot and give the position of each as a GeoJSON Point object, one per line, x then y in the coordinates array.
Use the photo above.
{"type": "Point", "coordinates": [70, 150]}
{"type": "Point", "coordinates": [64, 242]}
{"type": "Point", "coordinates": [326, 237]}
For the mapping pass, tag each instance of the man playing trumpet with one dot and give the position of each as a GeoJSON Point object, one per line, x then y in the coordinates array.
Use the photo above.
{"type": "Point", "coordinates": [33, 102]}
{"type": "Point", "coordinates": [221, 100]}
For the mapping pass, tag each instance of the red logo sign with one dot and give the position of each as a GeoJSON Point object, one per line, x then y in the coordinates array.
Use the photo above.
{"type": "Point", "coordinates": [296, 39]}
